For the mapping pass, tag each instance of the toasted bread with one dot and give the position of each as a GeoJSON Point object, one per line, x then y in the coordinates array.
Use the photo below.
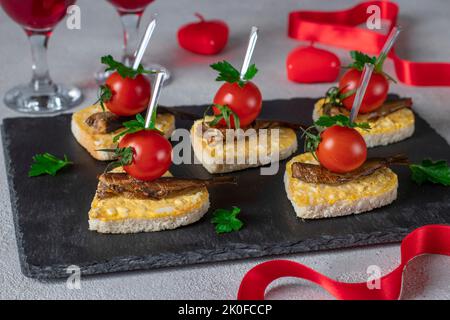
{"type": "Point", "coordinates": [315, 201]}
{"type": "Point", "coordinates": [215, 163]}
{"type": "Point", "coordinates": [92, 141]}
{"type": "Point", "coordinates": [392, 128]}
{"type": "Point", "coordinates": [119, 214]}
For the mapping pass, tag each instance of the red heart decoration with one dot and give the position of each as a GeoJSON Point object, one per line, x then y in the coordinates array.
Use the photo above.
{"type": "Point", "coordinates": [203, 37]}
{"type": "Point", "coordinates": [310, 64]}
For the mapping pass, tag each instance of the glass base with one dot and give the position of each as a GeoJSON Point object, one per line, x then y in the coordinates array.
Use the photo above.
{"type": "Point", "coordinates": [101, 75]}
{"type": "Point", "coordinates": [55, 98]}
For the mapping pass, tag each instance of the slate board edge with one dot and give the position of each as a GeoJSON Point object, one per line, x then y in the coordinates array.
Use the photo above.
{"type": "Point", "coordinates": [24, 266]}
{"type": "Point", "coordinates": [125, 264]}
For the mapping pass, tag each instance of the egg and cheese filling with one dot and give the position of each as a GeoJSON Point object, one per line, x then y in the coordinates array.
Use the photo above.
{"type": "Point", "coordinates": [120, 208]}
{"type": "Point", "coordinates": [390, 123]}
{"type": "Point", "coordinates": [164, 122]}
{"type": "Point", "coordinates": [258, 145]}
{"type": "Point", "coordinates": [309, 194]}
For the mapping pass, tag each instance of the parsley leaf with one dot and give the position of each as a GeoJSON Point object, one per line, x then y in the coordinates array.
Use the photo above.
{"type": "Point", "coordinates": [47, 163]}
{"type": "Point", "coordinates": [359, 59]}
{"type": "Point", "coordinates": [124, 157]}
{"type": "Point", "coordinates": [251, 72]}
{"type": "Point", "coordinates": [340, 120]}
{"type": "Point", "coordinates": [226, 220]}
{"type": "Point", "coordinates": [131, 126]}
{"type": "Point", "coordinates": [432, 171]}
{"type": "Point", "coordinates": [226, 71]}
{"type": "Point", "coordinates": [123, 70]}
{"type": "Point", "coordinates": [230, 74]}
{"type": "Point", "coordinates": [104, 95]}
{"type": "Point", "coordinates": [225, 113]}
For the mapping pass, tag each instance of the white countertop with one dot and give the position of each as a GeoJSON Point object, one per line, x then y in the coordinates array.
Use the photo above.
{"type": "Point", "coordinates": [74, 55]}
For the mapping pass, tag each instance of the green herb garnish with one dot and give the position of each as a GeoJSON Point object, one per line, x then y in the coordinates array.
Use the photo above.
{"type": "Point", "coordinates": [123, 70]}
{"type": "Point", "coordinates": [230, 74]}
{"type": "Point", "coordinates": [47, 163]}
{"type": "Point", "coordinates": [431, 171]}
{"type": "Point", "coordinates": [124, 157]}
{"type": "Point", "coordinates": [104, 95]}
{"type": "Point", "coordinates": [359, 59]}
{"type": "Point", "coordinates": [225, 113]}
{"type": "Point", "coordinates": [136, 125]}
{"type": "Point", "coordinates": [335, 96]}
{"type": "Point", "coordinates": [340, 120]}
{"type": "Point", "coordinates": [131, 126]}
{"type": "Point", "coordinates": [226, 220]}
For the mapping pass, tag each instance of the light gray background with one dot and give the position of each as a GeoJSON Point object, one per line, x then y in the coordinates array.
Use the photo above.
{"type": "Point", "coordinates": [73, 57]}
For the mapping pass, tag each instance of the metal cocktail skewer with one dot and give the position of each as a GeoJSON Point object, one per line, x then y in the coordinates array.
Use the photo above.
{"type": "Point", "coordinates": [365, 78]}
{"type": "Point", "coordinates": [139, 54]}
{"type": "Point", "coordinates": [248, 55]}
{"type": "Point", "coordinates": [154, 99]}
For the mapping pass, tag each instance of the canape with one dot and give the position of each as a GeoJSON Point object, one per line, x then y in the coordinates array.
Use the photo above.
{"type": "Point", "coordinates": [260, 143]}
{"type": "Point", "coordinates": [125, 94]}
{"type": "Point", "coordinates": [335, 178]}
{"type": "Point", "coordinates": [139, 194]}
{"type": "Point", "coordinates": [95, 129]}
{"type": "Point", "coordinates": [390, 120]}
{"type": "Point", "coordinates": [233, 139]}
{"type": "Point", "coordinates": [316, 192]}
{"type": "Point", "coordinates": [123, 204]}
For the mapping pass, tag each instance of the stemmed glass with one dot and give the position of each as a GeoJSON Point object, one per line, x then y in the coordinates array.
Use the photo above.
{"type": "Point", "coordinates": [38, 18]}
{"type": "Point", "coordinates": [130, 12]}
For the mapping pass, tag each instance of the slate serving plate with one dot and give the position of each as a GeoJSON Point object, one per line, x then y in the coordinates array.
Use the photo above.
{"type": "Point", "coordinates": [50, 213]}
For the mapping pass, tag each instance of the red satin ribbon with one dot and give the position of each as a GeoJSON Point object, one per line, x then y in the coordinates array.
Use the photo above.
{"type": "Point", "coordinates": [430, 239]}
{"type": "Point", "coordinates": [339, 28]}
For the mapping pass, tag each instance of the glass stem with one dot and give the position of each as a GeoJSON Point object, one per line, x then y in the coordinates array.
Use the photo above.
{"type": "Point", "coordinates": [130, 23]}
{"type": "Point", "coordinates": [41, 77]}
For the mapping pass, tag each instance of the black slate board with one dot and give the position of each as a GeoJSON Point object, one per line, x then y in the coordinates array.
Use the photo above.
{"type": "Point", "coordinates": [51, 212]}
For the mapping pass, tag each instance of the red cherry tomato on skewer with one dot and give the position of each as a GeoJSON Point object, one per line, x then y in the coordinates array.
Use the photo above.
{"type": "Point", "coordinates": [341, 149]}
{"type": "Point", "coordinates": [152, 154]}
{"type": "Point", "coordinates": [245, 101]}
{"type": "Point", "coordinates": [376, 92]}
{"type": "Point", "coordinates": [129, 95]}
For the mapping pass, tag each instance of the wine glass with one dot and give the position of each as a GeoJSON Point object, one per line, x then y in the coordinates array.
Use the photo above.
{"type": "Point", "coordinates": [41, 95]}
{"type": "Point", "coordinates": [130, 12]}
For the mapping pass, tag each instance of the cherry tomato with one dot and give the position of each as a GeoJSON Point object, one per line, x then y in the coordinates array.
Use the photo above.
{"type": "Point", "coordinates": [129, 95]}
{"type": "Point", "coordinates": [246, 102]}
{"type": "Point", "coordinates": [376, 92]}
{"type": "Point", "coordinates": [152, 154]}
{"type": "Point", "coordinates": [341, 149]}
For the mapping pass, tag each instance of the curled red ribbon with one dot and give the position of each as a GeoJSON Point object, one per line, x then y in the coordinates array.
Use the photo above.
{"type": "Point", "coordinates": [430, 239]}
{"type": "Point", "coordinates": [339, 28]}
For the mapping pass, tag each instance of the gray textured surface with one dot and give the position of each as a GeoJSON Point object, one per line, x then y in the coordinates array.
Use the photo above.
{"type": "Point", "coordinates": [73, 57]}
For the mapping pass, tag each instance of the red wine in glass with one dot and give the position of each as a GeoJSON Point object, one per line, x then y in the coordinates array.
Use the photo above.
{"type": "Point", "coordinates": [41, 95]}
{"type": "Point", "coordinates": [128, 6]}
{"type": "Point", "coordinates": [130, 12]}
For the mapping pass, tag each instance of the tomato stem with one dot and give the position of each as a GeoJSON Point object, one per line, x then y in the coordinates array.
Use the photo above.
{"type": "Point", "coordinates": [200, 16]}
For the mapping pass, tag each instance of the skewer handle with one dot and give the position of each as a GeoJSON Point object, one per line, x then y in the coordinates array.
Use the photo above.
{"type": "Point", "coordinates": [250, 48]}
{"type": "Point", "coordinates": [139, 54]}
